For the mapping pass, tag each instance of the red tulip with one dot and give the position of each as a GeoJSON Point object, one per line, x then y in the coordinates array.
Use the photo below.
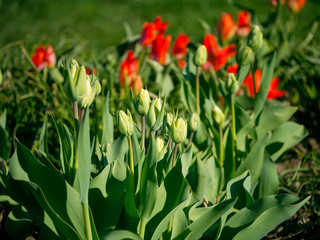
{"type": "Point", "coordinates": [295, 5]}
{"type": "Point", "coordinates": [129, 73]}
{"type": "Point", "coordinates": [226, 27]}
{"type": "Point", "coordinates": [150, 30]}
{"type": "Point", "coordinates": [88, 71]}
{"type": "Point", "coordinates": [243, 28]}
{"type": "Point", "coordinates": [44, 57]}
{"type": "Point", "coordinates": [160, 47]}
{"type": "Point", "coordinates": [179, 49]}
{"type": "Point", "coordinates": [233, 69]}
{"type": "Point", "coordinates": [217, 58]}
{"type": "Point", "coordinates": [273, 91]}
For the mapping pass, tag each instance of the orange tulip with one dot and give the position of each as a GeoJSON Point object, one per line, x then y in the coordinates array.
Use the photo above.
{"type": "Point", "coordinates": [217, 58]}
{"type": "Point", "coordinates": [44, 57]}
{"type": "Point", "coordinates": [150, 30]}
{"type": "Point", "coordinates": [226, 27]}
{"type": "Point", "coordinates": [274, 3]}
{"type": "Point", "coordinates": [295, 5]}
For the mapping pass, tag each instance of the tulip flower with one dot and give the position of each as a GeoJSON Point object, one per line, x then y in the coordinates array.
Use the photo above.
{"type": "Point", "coordinates": [89, 71]}
{"type": "Point", "coordinates": [217, 58]}
{"type": "Point", "coordinates": [295, 5]}
{"type": "Point", "coordinates": [160, 47]}
{"type": "Point", "coordinates": [44, 57]}
{"type": "Point", "coordinates": [243, 28]}
{"type": "Point", "coordinates": [179, 49]}
{"type": "Point", "coordinates": [129, 73]}
{"type": "Point", "coordinates": [226, 27]}
{"type": "Point", "coordinates": [151, 30]}
{"type": "Point", "coordinates": [273, 89]}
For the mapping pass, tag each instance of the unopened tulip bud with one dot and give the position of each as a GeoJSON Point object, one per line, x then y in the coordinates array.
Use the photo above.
{"type": "Point", "coordinates": [151, 117]}
{"type": "Point", "coordinates": [169, 119]}
{"type": "Point", "coordinates": [179, 130]}
{"type": "Point", "coordinates": [86, 94]}
{"type": "Point", "coordinates": [194, 122]}
{"type": "Point", "coordinates": [200, 56]}
{"type": "Point", "coordinates": [161, 149]}
{"type": "Point", "coordinates": [125, 123]}
{"type": "Point", "coordinates": [73, 68]}
{"type": "Point", "coordinates": [255, 39]}
{"type": "Point", "coordinates": [218, 115]}
{"type": "Point", "coordinates": [143, 102]}
{"type": "Point", "coordinates": [231, 83]}
{"type": "Point", "coordinates": [158, 105]}
{"type": "Point", "coordinates": [244, 55]}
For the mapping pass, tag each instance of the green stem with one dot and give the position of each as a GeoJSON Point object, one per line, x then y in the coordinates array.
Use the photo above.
{"type": "Point", "coordinates": [221, 160]}
{"type": "Point", "coordinates": [253, 80]}
{"type": "Point", "coordinates": [190, 140]}
{"type": "Point", "coordinates": [143, 132]}
{"type": "Point", "coordinates": [86, 216]}
{"type": "Point", "coordinates": [131, 165]}
{"type": "Point", "coordinates": [198, 91]}
{"type": "Point", "coordinates": [142, 228]}
{"type": "Point", "coordinates": [75, 110]}
{"type": "Point", "coordinates": [174, 155]}
{"type": "Point", "coordinates": [233, 130]}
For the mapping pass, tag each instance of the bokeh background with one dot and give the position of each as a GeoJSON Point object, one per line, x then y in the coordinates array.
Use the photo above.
{"type": "Point", "coordinates": [99, 24]}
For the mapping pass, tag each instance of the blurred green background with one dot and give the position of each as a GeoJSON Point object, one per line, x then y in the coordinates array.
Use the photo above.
{"type": "Point", "coordinates": [101, 23]}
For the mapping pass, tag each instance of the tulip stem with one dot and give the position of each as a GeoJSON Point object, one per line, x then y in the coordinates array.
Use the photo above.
{"type": "Point", "coordinates": [253, 80]}
{"type": "Point", "coordinates": [75, 110]}
{"type": "Point", "coordinates": [174, 155]}
{"type": "Point", "coordinates": [221, 159]}
{"type": "Point", "coordinates": [131, 156]}
{"type": "Point", "coordinates": [86, 215]}
{"type": "Point", "coordinates": [198, 91]}
{"type": "Point", "coordinates": [233, 130]}
{"type": "Point", "coordinates": [143, 132]}
{"type": "Point", "coordinates": [190, 140]}
{"type": "Point", "coordinates": [142, 227]}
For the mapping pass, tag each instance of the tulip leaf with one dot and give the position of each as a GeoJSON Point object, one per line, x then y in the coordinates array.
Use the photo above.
{"type": "Point", "coordinates": [215, 178]}
{"type": "Point", "coordinates": [148, 184]}
{"type": "Point", "coordinates": [285, 137]}
{"type": "Point", "coordinates": [186, 95]}
{"type": "Point", "coordinates": [267, 74]}
{"type": "Point", "coordinates": [31, 180]}
{"type": "Point", "coordinates": [160, 117]}
{"type": "Point", "coordinates": [269, 181]}
{"type": "Point", "coordinates": [5, 144]}
{"type": "Point", "coordinates": [84, 157]}
{"type": "Point", "coordinates": [240, 187]}
{"type": "Point", "coordinates": [43, 143]}
{"type": "Point", "coordinates": [3, 119]}
{"type": "Point", "coordinates": [243, 72]}
{"type": "Point", "coordinates": [254, 160]}
{"type": "Point", "coordinates": [180, 222]}
{"type": "Point", "coordinates": [272, 117]}
{"type": "Point", "coordinates": [196, 229]}
{"type": "Point", "coordinates": [117, 149]}
{"type": "Point", "coordinates": [121, 234]}
{"type": "Point", "coordinates": [107, 132]}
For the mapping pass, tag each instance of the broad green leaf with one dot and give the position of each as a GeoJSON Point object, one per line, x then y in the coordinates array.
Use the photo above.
{"type": "Point", "coordinates": [19, 222]}
{"type": "Point", "coordinates": [215, 178]}
{"type": "Point", "coordinates": [196, 229]}
{"type": "Point", "coordinates": [117, 149]}
{"type": "Point", "coordinates": [267, 74]}
{"type": "Point", "coordinates": [107, 132]}
{"type": "Point", "coordinates": [84, 157]}
{"type": "Point", "coordinates": [43, 139]}
{"type": "Point", "coordinates": [7, 201]}
{"type": "Point", "coordinates": [254, 160]}
{"type": "Point", "coordinates": [149, 186]}
{"type": "Point", "coordinates": [186, 159]}
{"type": "Point", "coordinates": [269, 181]}
{"type": "Point", "coordinates": [106, 196]}
{"type": "Point", "coordinates": [268, 220]}
{"type": "Point", "coordinates": [229, 164]}
{"type": "Point", "coordinates": [243, 72]}
{"type": "Point", "coordinates": [173, 191]}
{"type": "Point", "coordinates": [246, 216]}
{"type": "Point", "coordinates": [159, 120]}
{"type": "Point", "coordinates": [272, 117]}
{"type": "Point", "coordinates": [285, 137]}
{"type": "Point", "coordinates": [121, 234]}
{"type": "Point", "coordinates": [240, 188]}
{"type": "Point", "coordinates": [32, 179]}
{"type": "Point", "coordinates": [179, 223]}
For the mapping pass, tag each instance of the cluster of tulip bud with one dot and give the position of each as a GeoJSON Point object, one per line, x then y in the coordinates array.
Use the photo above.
{"type": "Point", "coordinates": [246, 48]}
{"type": "Point", "coordinates": [79, 86]}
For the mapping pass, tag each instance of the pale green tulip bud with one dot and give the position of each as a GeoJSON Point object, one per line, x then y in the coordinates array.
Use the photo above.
{"type": "Point", "coordinates": [194, 122]}
{"type": "Point", "coordinates": [158, 105]}
{"type": "Point", "coordinates": [200, 56]}
{"type": "Point", "coordinates": [255, 39]}
{"type": "Point", "coordinates": [151, 117]}
{"type": "Point", "coordinates": [161, 148]}
{"type": "Point", "coordinates": [218, 115]}
{"type": "Point", "coordinates": [82, 81]}
{"type": "Point", "coordinates": [97, 87]}
{"type": "Point", "coordinates": [74, 66]}
{"type": "Point", "coordinates": [143, 102]}
{"type": "Point", "coordinates": [87, 96]}
{"type": "Point", "coordinates": [244, 55]}
{"type": "Point", "coordinates": [125, 123]}
{"type": "Point", "coordinates": [231, 83]}
{"type": "Point", "coordinates": [169, 119]}
{"type": "Point", "coordinates": [179, 130]}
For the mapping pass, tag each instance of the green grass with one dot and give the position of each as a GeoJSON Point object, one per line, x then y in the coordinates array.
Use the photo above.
{"type": "Point", "coordinates": [101, 23]}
